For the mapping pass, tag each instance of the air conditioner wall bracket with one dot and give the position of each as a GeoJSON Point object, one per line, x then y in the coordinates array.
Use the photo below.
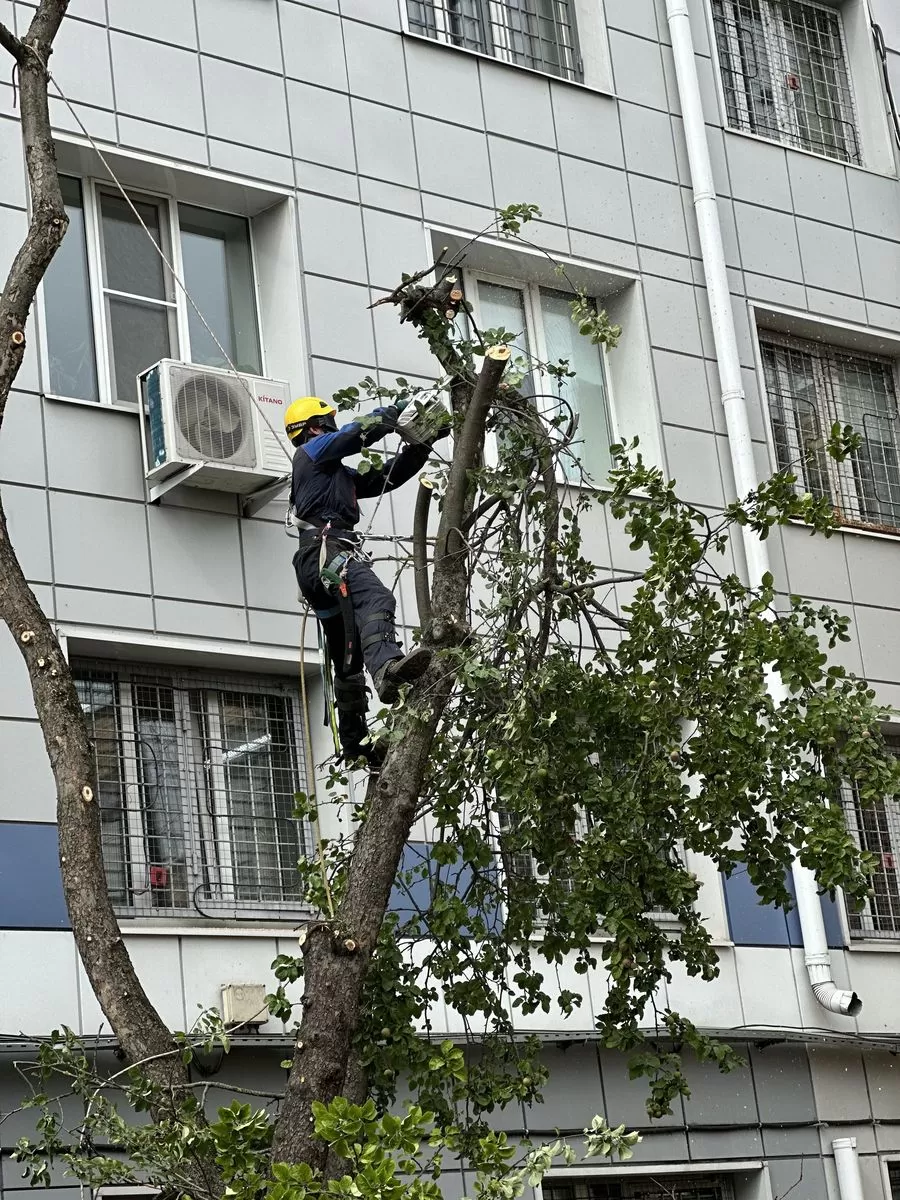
{"type": "Point", "coordinates": [254, 501]}
{"type": "Point", "coordinates": [158, 490]}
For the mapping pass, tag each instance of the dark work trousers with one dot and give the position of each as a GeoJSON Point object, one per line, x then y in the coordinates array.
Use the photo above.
{"type": "Point", "coordinates": [374, 607]}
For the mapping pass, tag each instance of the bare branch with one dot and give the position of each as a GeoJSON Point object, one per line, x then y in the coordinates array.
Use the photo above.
{"type": "Point", "coordinates": [10, 42]}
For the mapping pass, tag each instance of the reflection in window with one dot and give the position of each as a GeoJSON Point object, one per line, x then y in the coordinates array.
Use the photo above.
{"type": "Point", "coordinates": [218, 272]}
{"type": "Point", "coordinates": [67, 307]}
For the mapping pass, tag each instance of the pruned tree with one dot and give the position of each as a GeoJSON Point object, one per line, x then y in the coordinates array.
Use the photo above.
{"type": "Point", "coordinates": [566, 750]}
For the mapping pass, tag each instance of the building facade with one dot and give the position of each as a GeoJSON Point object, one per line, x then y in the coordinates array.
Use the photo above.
{"type": "Point", "coordinates": [291, 159]}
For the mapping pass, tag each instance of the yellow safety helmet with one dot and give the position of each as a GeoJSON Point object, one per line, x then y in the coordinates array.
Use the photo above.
{"type": "Point", "coordinates": [303, 410]}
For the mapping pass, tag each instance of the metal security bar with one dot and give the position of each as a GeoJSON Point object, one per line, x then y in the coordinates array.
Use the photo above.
{"type": "Point", "coordinates": [197, 778]}
{"type": "Point", "coordinates": [666, 1187]}
{"type": "Point", "coordinates": [784, 72]}
{"type": "Point", "coordinates": [809, 387]}
{"type": "Point", "coordinates": [876, 828]}
{"type": "Point", "coordinates": [540, 34]}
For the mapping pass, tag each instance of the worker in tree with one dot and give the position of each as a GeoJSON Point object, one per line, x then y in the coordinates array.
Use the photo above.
{"type": "Point", "coordinates": [355, 608]}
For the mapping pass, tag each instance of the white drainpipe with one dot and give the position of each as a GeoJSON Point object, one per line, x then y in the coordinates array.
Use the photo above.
{"type": "Point", "coordinates": [846, 1162]}
{"type": "Point", "coordinates": [734, 402]}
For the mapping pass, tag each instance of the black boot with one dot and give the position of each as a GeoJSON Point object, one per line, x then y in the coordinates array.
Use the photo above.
{"type": "Point", "coordinates": [350, 701]}
{"type": "Point", "coordinates": [399, 671]}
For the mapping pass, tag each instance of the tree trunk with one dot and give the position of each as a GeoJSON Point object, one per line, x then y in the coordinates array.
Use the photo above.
{"type": "Point", "coordinates": [141, 1032]}
{"type": "Point", "coordinates": [337, 954]}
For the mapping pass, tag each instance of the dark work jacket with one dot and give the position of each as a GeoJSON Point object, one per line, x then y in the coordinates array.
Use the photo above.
{"type": "Point", "coordinates": [323, 489]}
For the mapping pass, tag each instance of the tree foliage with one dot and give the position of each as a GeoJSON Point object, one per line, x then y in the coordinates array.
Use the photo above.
{"type": "Point", "coordinates": [585, 732]}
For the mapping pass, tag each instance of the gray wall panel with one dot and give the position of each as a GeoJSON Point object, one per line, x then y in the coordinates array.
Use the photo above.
{"type": "Point", "coordinates": [27, 790]}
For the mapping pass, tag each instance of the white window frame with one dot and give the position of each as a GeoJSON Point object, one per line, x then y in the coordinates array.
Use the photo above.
{"type": "Point", "coordinates": [787, 122]}
{"type": "Point", "coordinates": [204, 831]}
{"type": "Point", "coordinates": [91, 190]}
{"type": "Point", "coordinates": [534, 327]}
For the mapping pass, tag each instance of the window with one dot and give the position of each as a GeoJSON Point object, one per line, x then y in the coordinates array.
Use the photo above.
{"type": "Point", "coordinates": [112, 308]}
{"type": "Point", "coordinates": [811, 385]}
{"type": "Point", "coordinates": [784, 73]}
{"type": "Point", "coordinates": [894, 1179]}
{"type": "Point", "coordinates": [697, 1187]}
{"type": "Point", "coordinates": [542, 322]}
{"type": "Point", "coordinates": [196, 787]}
{"type": "Point", "coordinates": [521, 867]}
{"type": "Point", "coordinates": [876, 828]}
{"type": "Point", "coordinates": [539, 34]}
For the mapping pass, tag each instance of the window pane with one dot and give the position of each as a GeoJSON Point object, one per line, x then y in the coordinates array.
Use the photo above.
{"type": "Point", "coordinates": [140, 335]}
{"type": "Point", "coordinates": [585, 395]}
{"type": "Point", "coordinates": [67, 307]}
{"type": "Point", "coordinates": [864, 398]}
{"type": "Point", "coordinates": [162, 797]}
{"type": "Point", "coordinates": [501, 307]}
{"type": "Point", "coordinates": [218, 272]}
{"type": "Point", "coordinates": [796, 424]}
{"type": "Point", "coordinates": [130, 261]}
{"type": "Point", "coordinates": [259, 783]}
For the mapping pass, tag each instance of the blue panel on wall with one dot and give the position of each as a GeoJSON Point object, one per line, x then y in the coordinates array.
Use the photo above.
{"type": "Point", "coordinates": [755, 924]}
{"type": "Point", "coordinates": [31, 895]}
{"type": "Point", "coordinates": [409, 898]}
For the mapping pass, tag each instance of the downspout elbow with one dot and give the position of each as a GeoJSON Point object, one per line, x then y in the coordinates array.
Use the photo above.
{"type": "Point", "coordinates": [832, 998]}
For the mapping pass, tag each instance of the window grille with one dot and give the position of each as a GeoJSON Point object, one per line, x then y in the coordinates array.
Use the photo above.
{"type": "Point", "coordinates": [894, 1179]}
{"type": "Point", "coordinates": [876, 828]}
{"type": "Point", "coordinates": [196, 779]}
{"type": "Point", "coordinates": [697, 1187]}
{"type": "Point", "coordinates": [809, 387]}
{"type": "Point", "coordinates": [784, 73]}
{"type": "Point", "coordinates": [539, 34]}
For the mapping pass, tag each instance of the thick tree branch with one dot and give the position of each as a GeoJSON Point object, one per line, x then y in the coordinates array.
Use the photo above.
{"type": "Point", "coordinates": [141, 1032]}
{"type": "Point", "coordinates": [10, 42]}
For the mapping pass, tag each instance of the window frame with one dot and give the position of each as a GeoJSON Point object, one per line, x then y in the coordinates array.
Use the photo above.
{"type": "Point", "coordinates": [789, 125]}
{"type": "Point", "coordinates": [91, 190]}
{"type": "Point", "coordinates": [534, 328]}
{"type": "Point", "coordinates": [207, 835]}
{"type": "Point", "coordinates": [843, 482]}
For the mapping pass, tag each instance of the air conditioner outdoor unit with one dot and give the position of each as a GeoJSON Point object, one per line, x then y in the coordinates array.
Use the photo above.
{"type": "Point", "coordinates": [205, 427]}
